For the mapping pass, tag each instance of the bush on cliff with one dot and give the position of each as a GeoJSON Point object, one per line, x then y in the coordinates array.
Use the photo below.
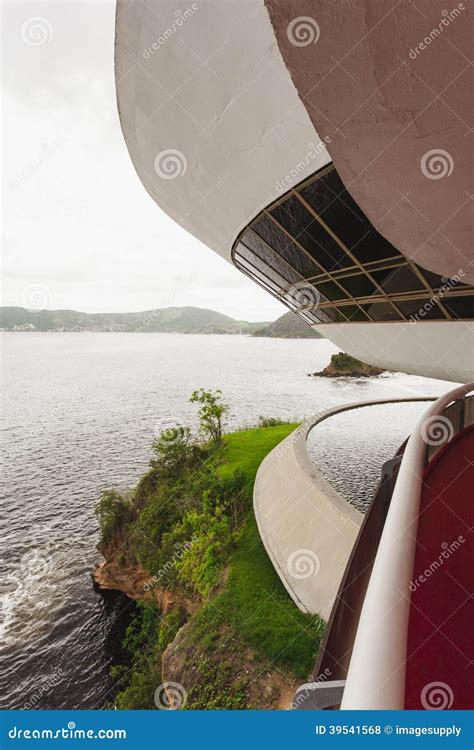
{"type": "Point", "coordinates": [114, 513]}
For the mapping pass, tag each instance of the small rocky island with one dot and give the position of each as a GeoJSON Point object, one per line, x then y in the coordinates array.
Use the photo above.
{"type": "Point", "coordinates": [342, 365]}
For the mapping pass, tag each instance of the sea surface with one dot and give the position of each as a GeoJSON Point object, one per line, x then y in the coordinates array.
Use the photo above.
{"type": "Point", "coordinates": [79, 415]}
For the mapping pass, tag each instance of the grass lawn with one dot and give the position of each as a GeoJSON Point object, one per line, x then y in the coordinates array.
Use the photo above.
{"type": "Point", "coordinates": [246, 450]}
{"type": "Point", "coordinates": [254, 600]}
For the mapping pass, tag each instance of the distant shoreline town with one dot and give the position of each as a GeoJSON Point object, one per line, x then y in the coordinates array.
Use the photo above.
{"type": "Point", "coordinates": [191, 320]}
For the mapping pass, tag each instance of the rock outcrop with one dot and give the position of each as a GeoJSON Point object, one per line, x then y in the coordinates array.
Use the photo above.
{"type": "Point", "coordinates": [342, 365]}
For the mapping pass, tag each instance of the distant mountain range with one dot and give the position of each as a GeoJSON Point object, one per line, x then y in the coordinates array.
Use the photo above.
{"type": "Point", "coordinates": [166, 320]}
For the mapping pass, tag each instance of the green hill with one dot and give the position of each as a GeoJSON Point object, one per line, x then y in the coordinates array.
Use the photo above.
{"type": "Point", "coordinates": [288, 326]}
{"type": "Point", "coordinates": [167, 320]}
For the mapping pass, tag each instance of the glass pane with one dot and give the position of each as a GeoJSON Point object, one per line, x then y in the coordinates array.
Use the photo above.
{"type": "Point", "coordinates": [460, 307]}
{"type": "Point", "coordinates": [330, 290]}
{"type": "Point", "coordinates": [341, 213]}
{"type": "Point", "coordinates": [269, 257]}
{"type": "Point", "coordinates": [432, 278]}
{"type": "Point", "coordinates": [308, 317]}
{"type": "Point", "coordinates": [381, 311]}
{"type": "Point", "coordinates": [329, 315]}
{"type": "Point", "coordinates": [310, 234]}
{"type": "Point", "coordinates": [354, 313]}
{"type": "Point", "coordinates": [241, 265]}
{"type": "Point", "coordinates": [436, 282]}
{"type": "Point", "coordinates": [420, 309]}
{"type": "Point", "coordinates": [282, 245]}
{"type": "Point", "coordinates": [317, 314]}
{"type": "Point", "coordinates": [304, 295]}
{"type": "Point", "coordinates": [398, 280]}
{"type": "Point", "coordinates": [255, 272]}
{"type": "Point", "coordinates": [359, 286]}
{"type": "Point", "coordinates": [354, 268]}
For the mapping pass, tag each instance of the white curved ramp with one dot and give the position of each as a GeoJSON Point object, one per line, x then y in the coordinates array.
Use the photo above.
{"type": "Point", "coordinates": [307, 529]}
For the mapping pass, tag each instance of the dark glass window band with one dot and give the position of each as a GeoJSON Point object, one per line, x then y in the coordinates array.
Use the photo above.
{"type": "Point", "coordinates": [316, 251]}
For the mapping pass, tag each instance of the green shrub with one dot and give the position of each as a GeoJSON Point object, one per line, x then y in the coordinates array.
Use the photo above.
{"type": "Point", "coordinates": [137, 680]}
{"type": "Point", "coordinates": [344, 361]}
{"type": "Point", "coordinates": [174, 451]}
{"type": "Point", "coordinates": [114, 513]}
{"type": "Point", "coordinates": [271, 421]}
{"type": "Point", "coordinates": [227, 494]}
{"type": "Point", "coordinates": [154, 521]}
{"type": "Point", "coordinates": [201, 563]}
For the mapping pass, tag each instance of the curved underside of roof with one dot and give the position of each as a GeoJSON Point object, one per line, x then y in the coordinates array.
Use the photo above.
{"type": "Point", "coordinates": [388, 83]}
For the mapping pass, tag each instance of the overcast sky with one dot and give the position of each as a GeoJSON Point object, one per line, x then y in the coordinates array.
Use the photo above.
{"type": "Point", "coordinates": [77, 222]}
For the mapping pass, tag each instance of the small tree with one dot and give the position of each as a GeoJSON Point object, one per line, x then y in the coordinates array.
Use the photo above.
{"type": "Point", "coordinates": [211, 413]}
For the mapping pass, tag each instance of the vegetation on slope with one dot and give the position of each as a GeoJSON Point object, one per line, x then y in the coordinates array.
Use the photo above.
{"type": "Point", "coordinates": [189, 524]}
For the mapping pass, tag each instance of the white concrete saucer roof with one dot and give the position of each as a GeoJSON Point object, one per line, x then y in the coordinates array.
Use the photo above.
{"type": "Point", "coordinates": [211, 118]}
